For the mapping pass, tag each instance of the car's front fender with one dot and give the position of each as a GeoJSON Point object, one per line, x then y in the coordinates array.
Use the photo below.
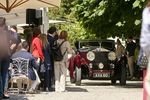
{"type": "Point", "coordinates": [77, 60]}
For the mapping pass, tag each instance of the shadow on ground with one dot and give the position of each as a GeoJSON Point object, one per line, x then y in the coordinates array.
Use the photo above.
{"type": "Point", "coordinates": [18, 97]}
{"type": "Point", "coordinates": [97, 83]}
{"type": "Point", "coordinates": [134, 84]}
{"type": "Point", "coordinates": [130, 84]}
{"type": "Point", "coordinates": [76, 89]}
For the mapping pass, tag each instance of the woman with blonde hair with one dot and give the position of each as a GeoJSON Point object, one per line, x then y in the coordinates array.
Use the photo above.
{"type": "Point", "coordinates": [60, 67]}
{"type": "Point", "coordinates": [47, 62]}
{"type": "Point", "coordinates": [120, 50]}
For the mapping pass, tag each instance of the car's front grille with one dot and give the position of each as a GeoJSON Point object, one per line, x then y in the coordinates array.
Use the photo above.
{"type": "Point", "coordinates": [101, 57]}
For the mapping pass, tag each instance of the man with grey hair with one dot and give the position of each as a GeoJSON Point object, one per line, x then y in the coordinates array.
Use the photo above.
{"type": "Point", "coordinates": [32, 73]}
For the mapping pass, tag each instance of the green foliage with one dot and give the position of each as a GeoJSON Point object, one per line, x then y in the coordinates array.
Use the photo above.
{"type": "Point", "coordinates": [99, 18]}
{"type": "Point", "coordinates": [75, 32]}
{"type": "Point", "coordinates": [110, 17]}
{"type": "Point", "coordinates": [54, 13]}
{"type": "Point", "coordinates": [62, 12]}
{"type": "Point", "coordinates": [73, 27]}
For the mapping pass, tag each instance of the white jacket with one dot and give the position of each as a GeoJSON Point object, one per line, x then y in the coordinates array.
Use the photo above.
{"type": "Point", "coordinates": [145, 44]}
{"type": "Point", "coordinates": [145, 31]}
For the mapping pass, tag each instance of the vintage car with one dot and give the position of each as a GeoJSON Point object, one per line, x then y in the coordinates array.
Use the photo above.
{"type": "Point", "coordinates": [96, 59]}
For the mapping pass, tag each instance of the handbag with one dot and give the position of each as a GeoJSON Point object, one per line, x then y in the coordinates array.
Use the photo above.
{"type": "Point", "coordinates": [37, 76]}
{"type": "Point", "coordinates": [144, 62]}
{"type": "Point", "coordinates": [42, 68]}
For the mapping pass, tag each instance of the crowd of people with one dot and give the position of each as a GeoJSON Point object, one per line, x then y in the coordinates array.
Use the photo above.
{"type": "Point", "coordinates": [131, 52]}
{"type": "Point", "coordinates": [138, 50]}
{"type": "Point", "coordinates": [43, 70]}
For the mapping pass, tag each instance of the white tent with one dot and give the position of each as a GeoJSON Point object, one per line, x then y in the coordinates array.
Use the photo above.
{"type": "Point", "coordinates": [44, 28]}
{"type": "Point", "coordinates": [17, 15]}
{"type": "Point", "coordinates": [50, 22]}
{"type": "Point", "coordinates": [13, 5]}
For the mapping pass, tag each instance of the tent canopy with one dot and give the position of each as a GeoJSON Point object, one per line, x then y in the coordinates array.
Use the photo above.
{"type": "Point", "coordinates": [13, 5]}
{"type": "Point", "coordinates": [15, 18]}
{"type": "Point", "coordinates": [15, 10]}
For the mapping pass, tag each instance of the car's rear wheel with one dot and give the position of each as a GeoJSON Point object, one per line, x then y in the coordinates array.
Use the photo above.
{"type": "Point", "coordinates": [78, 76]}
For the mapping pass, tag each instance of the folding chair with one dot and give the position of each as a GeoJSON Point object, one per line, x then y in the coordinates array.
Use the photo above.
{"type": "Point", "coordinates": [19, 75]}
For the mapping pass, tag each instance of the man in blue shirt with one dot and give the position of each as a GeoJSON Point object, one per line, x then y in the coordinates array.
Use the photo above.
{"type": "Point", "coordinates": [23, 53]}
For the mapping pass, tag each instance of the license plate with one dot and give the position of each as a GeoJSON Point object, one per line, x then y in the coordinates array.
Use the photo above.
{"type": "Point", "coordinates": [101, 75]}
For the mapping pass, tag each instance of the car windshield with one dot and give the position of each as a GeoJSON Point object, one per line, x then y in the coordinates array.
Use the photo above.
{"type": "Point", "coordinates": [91, 45]}
{"type": "Point", "coordinates": [107, 45]}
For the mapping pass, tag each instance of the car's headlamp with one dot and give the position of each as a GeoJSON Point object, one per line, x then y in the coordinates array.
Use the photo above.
{"type": "Point", "coordinates": [101, 65]}
{"type": "Point", "coordinates": [111, 56]}
{"type": "Point", "coordinates": [90, 56]}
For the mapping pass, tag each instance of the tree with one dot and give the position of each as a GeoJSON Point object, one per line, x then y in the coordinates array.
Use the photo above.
{"type": "Point", "coordinates": [110, 17]}
{"type": "Point", "coordinates": [72, 26]}
{"type": "Point", "coordinates": [76, 32]}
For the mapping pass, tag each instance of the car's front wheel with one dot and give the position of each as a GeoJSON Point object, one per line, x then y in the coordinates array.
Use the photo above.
{"type": "Point", "coordinates": [78, 76]}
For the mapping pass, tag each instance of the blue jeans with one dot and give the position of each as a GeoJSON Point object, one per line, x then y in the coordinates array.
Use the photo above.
{"type": "Point", "coordinates": [4, 64]}
{"type": "Point", "coordinates": [6, 82]}
{"type": "Point", "coordinates": [48, 79]}
{"type": "Point", "coordinates": [1, 86]}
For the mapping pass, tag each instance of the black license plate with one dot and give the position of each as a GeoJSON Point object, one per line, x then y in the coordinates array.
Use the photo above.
{"type": "Point", "coordinates": [101, 75]}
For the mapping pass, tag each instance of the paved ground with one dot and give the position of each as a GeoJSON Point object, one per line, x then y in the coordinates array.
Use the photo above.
{"type": "Point", "coordinates": [91, 90]}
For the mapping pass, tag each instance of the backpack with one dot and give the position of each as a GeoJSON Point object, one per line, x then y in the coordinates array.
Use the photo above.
{"type": "Point", "coordinates": [142, 59]}
{"type": "Point", "coordinates": [57, 54]}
